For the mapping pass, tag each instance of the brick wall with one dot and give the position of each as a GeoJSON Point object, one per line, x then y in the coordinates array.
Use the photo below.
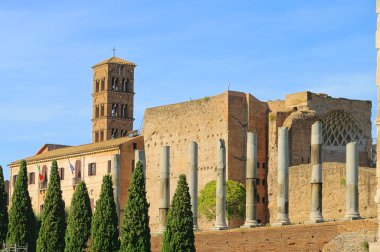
{"type": "Point", "coordinates": [288, 238]}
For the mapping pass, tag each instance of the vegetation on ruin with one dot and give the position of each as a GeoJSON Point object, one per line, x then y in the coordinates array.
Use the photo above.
{"type": "Point", "coordinates": [21, 227]}
{"type": "Point", "coordinates": [179, 234]}
{"type": "Point", "coordinates": [3, 208]}
{"type": "Point", "coordinates": [135, 231]}
{"type": "Point", "coordinates": [235, 200]}
{"type": "Point", "coordinates": [53, 223]}
{"type": "Point", "coordinates": [79, 220]}
{"type": "Point", "coordinates": [104, 226]}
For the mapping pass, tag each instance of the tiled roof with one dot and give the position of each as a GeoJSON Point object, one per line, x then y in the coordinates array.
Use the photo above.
{"type": "Point", "coordinates": [115, 60]}
{"type": "Point", "coordinates": [86, 148]}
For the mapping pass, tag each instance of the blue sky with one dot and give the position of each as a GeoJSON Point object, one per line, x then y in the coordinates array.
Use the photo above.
{"type": "Point", "coordinates": [182, 49]}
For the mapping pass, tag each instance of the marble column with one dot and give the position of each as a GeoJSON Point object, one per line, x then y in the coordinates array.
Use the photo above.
{"type": "Point", "coordinates": [352, 173]}
{"type": "Point", "coordinates": [140, 156]}
{"type": "Point", "coordinates": [316, 173]}
{"type": "Point", "coordinates": [283, 178]}
{"type": "Point", "coordinates": [220, 222]}
{"type": "Point", "coordinates": [251, 181]}
{"type": "Point", "coordinates": [193, 181]}
{"type": "Point", "coordinates": [164, 198]}
{"type": "Point", "coordinates": [115, 173]}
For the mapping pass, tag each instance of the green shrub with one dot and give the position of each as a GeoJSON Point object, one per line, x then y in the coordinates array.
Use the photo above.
{"type": "Point", "coordinates": [235, 200]}
{"type": "Point", "coordinates": [179, 233]}
{"type": "Point", "coordinates": [53, 219]}
{"type": "Point", "coordinates": [135, 231]}
{"type": "Point", "coordinates": [79, 220]}
{"type": "Point", "coordinates": [21, 226]}
{"type": "Point", "coordinates": [3, 209]}
{"type": "Point", "coordinates": [104, 225]}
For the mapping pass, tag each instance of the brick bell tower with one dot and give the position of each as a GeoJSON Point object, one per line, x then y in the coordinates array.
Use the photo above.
{"type": "Point", "coordinates": [112, 99]}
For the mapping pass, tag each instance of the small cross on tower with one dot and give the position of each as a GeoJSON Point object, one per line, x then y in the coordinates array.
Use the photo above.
{"type": "Point", "coordinates": [114, 50]}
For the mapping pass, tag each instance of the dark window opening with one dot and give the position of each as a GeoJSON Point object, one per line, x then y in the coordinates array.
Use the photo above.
{"type": "Point", "coordinates": [62, 173]}
{"type": "Point", "coordinates": [91, 169]}
{"type": "Point", "coordinates": [109, 166]}
{"type": "Point", "coordinates": [32, 178]}
{"type": "Point", "coordinates": [135, 146]}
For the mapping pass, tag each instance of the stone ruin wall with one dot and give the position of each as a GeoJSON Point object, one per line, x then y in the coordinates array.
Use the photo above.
{"type": "Point", "coordinates": [204, 121]}
{"type": "Point", "coordinates": [333, 191]}
{"type": "Point", "coordinates": [298, 112]}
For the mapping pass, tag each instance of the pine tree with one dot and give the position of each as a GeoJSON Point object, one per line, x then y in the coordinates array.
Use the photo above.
{"type": "Point", "coordinates": [135, 232]}
{"type": "Point", "coordinates": [179, 234]}
{"type": "Point", "coordinates": [3, 209]}
{"type": "Point", "coordinates": [21, 227]}
{"type": "Point", "coordinates": [104, 226]}
{"type": "Point", "coordinates": [53, 224]}
{"type": "Point", "coordinates": [79, 220]}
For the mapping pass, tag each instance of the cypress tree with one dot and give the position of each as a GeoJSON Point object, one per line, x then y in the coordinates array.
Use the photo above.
{"type": "Point", "coordinates": [52, 233]}
{"type": "Point", "coordinates": [21, 227]}
{"type": "Point", "coordinates": [104, 226]}
{"type": "Point", "coordinates": [135, 232]}
{"type": "Point", "coordinates": [3, 209]}
{"type": "Point", "coordinates": [179, 234]}
{"type": "Point", "coordinates": [79, 220]}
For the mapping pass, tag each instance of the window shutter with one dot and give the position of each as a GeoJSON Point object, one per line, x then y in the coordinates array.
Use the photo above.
{"type": "Point", "coordinates": [94, 169]}
{"type": "Point", "coordinates": [89, 169]}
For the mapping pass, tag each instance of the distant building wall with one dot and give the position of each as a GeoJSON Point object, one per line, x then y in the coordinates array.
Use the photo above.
{"type": "Point", "coordinates": [227, 116]}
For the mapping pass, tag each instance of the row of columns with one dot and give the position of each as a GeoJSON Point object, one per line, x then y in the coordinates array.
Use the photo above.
{"type": "Point", "coordinates": [282, 216]}
{"type": "Point", "coordinates": [352, 173]}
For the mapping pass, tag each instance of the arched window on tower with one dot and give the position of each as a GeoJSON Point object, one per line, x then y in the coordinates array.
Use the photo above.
{"type": "Point", "coordinates": [97, 111]}
{"type": "Point", "coordinates": [103, 84]}
{"type": "Point", "coordinates": [96, 136]}
{"type": "Point", "coordinates": [129, 86]}
{"type": "Point", "coordinates": [117, 84]}
{"type": "Point", "coordinates": [101, 135]}
{"type": "Point", "coordinates": [113, 84]}
{"type": "Point", "coordinates": [116, 110]}
{"type": "Point", "coordinates": [113, 110]}
{"type": "Point", "coordinates": [102, 110]}
{"type": "Point", "coordinates": [123, 133]}
{"type": "Point", "coordinates": [97, 86]}
{"type": "Point", "coordinates": [114, 133]}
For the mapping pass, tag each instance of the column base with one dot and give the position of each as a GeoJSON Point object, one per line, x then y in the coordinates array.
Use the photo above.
{"type": "Point", "coordinates": [314, 221]}
{"type": "Point", "coordinates": [220, 227]}
{"type": "Point", "coordinates": [374, 247]}
{"type": "Point", "coordinates": [280, 223]}
{"type": "Point", "coordinates": [352, 217]}
{"type": "Point", "coordinates": [250, 224]}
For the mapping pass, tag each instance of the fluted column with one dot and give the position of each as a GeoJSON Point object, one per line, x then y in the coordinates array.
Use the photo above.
{"type": "Point", "coordinates": [164, 200]}
{"type": "Point", "coordinates": [251, 181]}
{"type": "Point", "coordinates": [220, 222]}
{"type": "Point", "coordinates": [316, 174]}
{"type": "Point", "coordinates": [283, 178]}
{"type": "Point", "coordinates": [352, 173]}
{"type": "Point", "coordinates": [193, 181]}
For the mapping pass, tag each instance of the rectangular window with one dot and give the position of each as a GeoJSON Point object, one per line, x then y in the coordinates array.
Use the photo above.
{"type": "Point", "coordinates": [62, 173]}
{"type": "Point", "coordinates": [109, 166]}
{"type": "Point", "coordinates": [135, 146]}
{"type": "Point", "coordinates": [264, 165]}
{"type": "Point", "coordinates": [258, 181]}
{"type": "Point", "coordinates": [91, 169]}
{"type": "Point", "coordinates": [258, 165]}
{"type": "Point", "coordinates": [264, 200]}
{"type": "Point", "coordinates": [264, 182]}
{"type": "Point", "coordinates": [32, 178]}
{"type": "Point", "coordinates": [258, 198]}
{"type": "Point", "coordinates": [14, 179]}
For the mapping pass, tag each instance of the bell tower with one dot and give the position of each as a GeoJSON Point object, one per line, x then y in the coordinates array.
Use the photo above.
{"type": "Point", "coordinates": [112, 99]}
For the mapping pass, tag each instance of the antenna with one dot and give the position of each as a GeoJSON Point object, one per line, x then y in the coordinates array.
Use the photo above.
{"type": "Point", "coordinates": [228, 88]}
{"type": "Point", "coordinates": [114, 50]}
